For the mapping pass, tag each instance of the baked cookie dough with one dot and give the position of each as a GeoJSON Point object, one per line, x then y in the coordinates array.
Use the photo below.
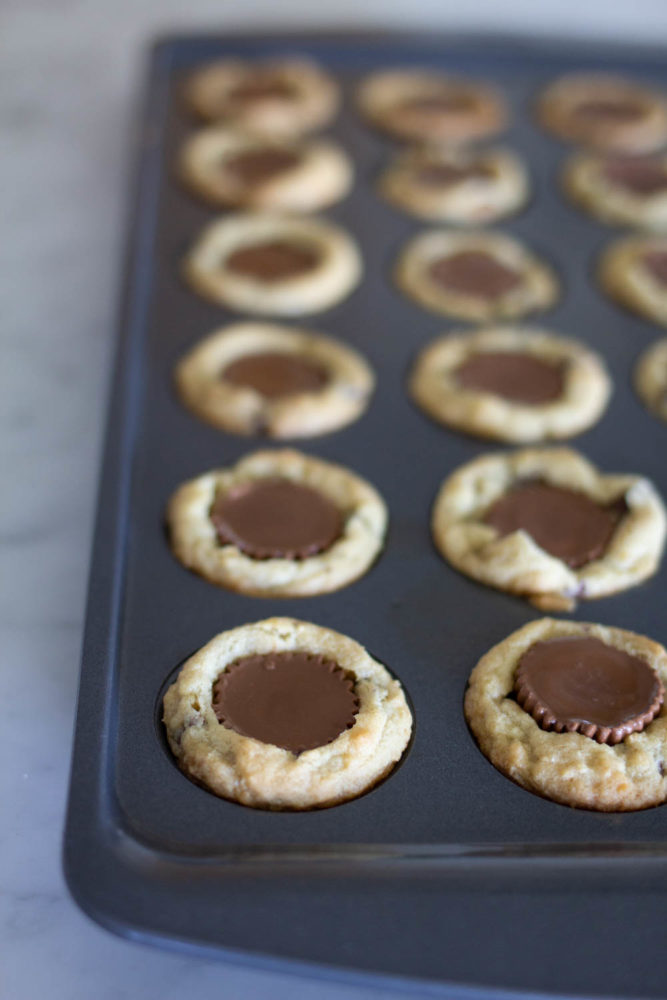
{"type": "Point", "coordinates": [461, 186]}
{"type": "Point", "coordinates": [592, 732]}
{"type": "Point", "coordinates": [650, 378]}
{"type": "Point", "coordinates": [511, 384]}
{"type": "Point", "coordinates": [283, 714]}
{"type": "Point", "coordinates": [546, 524]}
{"type": "Point", "coordinates": [605, 112]}
{"type": "Point", "coordinates": [633, 271]}
{"type": "Point", "coordinates": [427, 106]}
{"type": "Point", "coordinates": [480, 276]}
{"type": "Point", "coordinates": [261, 378]}
{"type": "Point", "coordinates": [283, 96]}
{"type": "Point", "coordinates": [234, 169]}
{"type": "Point", "coordinates": [278, 524]}
{"type": "Point", "coordinates": [621, 190]}
{"type": "Point", "coordinates": [273, 264]}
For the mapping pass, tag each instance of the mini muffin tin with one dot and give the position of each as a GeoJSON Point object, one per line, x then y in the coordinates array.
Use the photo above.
{"type": "Point", "coordinates": [446, 872]}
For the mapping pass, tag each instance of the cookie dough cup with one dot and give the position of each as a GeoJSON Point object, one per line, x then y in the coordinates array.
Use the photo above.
{"type": "Point", "coordinates": [511, 384]}
{"type": "Point", "coordinates": [650, 378]}
{"type": "Point", "coordinates": [287, 96]}
{"type": "Point", "coordinates": [597, 534]}
{"type": "Point", "coordinates": [460, 186]}
{"type": "Point", "coordinates": [326, 524]}
{"type": "Point", "coordinates": [604, 112]}
{"type": "Point", "coordinates": [480, 276]}
{"type": "Point", "coordinates": [426, 106]}
{"type": "Point", "coordinates": [273, 264]}
{"type": "Point", "coordinates": [568, 767]}
{"type": "Point", "coordinates": [633, 271]}
{"type": "Point", "coordinates": [232, 169]}
{"type": "Point", "coordinates": [261, 378]}
{"type": "Point", "coordinates": [259, 773]}
{"type": "Point", "coordinates": [626, 191]}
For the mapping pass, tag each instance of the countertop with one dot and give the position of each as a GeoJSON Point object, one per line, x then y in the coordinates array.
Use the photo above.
{"type": "Point", "coordinates": [69, 74]}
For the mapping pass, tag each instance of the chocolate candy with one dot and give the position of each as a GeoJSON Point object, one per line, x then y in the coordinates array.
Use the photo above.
{"type": "Point", "coordinates": [276, 518]}
{"type": "Point", "coordinates": [512, 375]}
{"type": "Point", "coordinates": [256, 166]}
{"type": "Point", "coordinates": [581, 684]}
{"type": "Point", "coordinates": [276, 260]}
{"type": "Point", "coordinates": [655, 262]}
{"type": "Point", "coordinates": [642, 175]}
{"type": "Point", "coordinates": [610, 109]}
{"type": "Point", "coordinates": [294, 700]}
{"type": "Point", "coordinates": [275, 375]}
{"type": "Point", "coordinates": [474, 273]}
{"type": "Point", "coordinates": [565, 523]}
{"type": "Point", "coordinates": [448, 174]}
{"type": "Point", "coordinates": [260, 86]}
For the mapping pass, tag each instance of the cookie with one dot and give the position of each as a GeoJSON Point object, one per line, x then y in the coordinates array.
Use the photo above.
{"type": "Point", "coordinates": [460, 186]}
{"type": "Point", "coordinates": [546, 524]}
{"type": "Point", "coordinates": [604, 112]}
{"type": "Point", "coordinates": [633, 271]}
{"type": "Point", "coordinates": [427, 106]}
{"type": "Point", "coordinates": [285, 96]}
{"type": "Point", "coordinates": [261, 378]}
{"type": "Point", "coordinates": [278, 524]}
{"type": "Point", "coordinates": [621, 190]}
{"type": "Point", "coordinates": [273, 264]}
{"type": "Point", "coordinates": [575, 712]}
{"type": "Point", "coordinates": [480, 276]}
{"type": "Point", "coordinates": [650, 378]}
{"type": "Point", "coordinates": [283, 714]}
{"type": "Point", "coordinates": [233, 169]}
{"type": "Point", "coordinates": [511, 384]}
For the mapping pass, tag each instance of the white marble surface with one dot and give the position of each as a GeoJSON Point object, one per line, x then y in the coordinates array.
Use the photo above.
{"type": "Point", "coordinates": [68, 72]}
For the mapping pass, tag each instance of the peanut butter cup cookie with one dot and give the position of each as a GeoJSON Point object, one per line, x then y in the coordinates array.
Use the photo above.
{"type": "Point", "coordinates": [605, 112]}
{"type": "Point", "coordinates": [651, 378]}
{"type": "Point", "coordinates": [261, 378]}
{"type": "Point", "coordinates": [274, 264]}
{"type": "Point", "coordinates": [234, 169]}
{"type": "Point", "coordinates": [630, 191]}
{"type": "Point", "coordinates": [278, 524]}
{"type": "Point", "coordinates": [575, 712]}
{"type": "Point", "coordinates": [480, 276]}
{"type": "Point", "coordinates": [284, 96]}
{"type": "Point", "coordinates": [427, 106]}
{"type": "Point", "coordinates": [634, 272]}
{"type": "Point", "coordinates": [546, 524]}
{"type": "Point", "coordinates": [511, 384]}
{"type": "Point", "coordinates": [283, 714]}
{"type": "Point", "coordinates": [461, 186]}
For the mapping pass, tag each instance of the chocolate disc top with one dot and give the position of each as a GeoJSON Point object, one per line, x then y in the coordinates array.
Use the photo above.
{"type": "Point", "coordinates": [565, 523]}
{"type": "Point", "coordinates": [274, 260]}
{"type": "Point", "coordinates": [439, 104]}
{"type": "Point", "coordinates": [448, 174]}
{"type": "Point", "coordinates": [580, 684]}
{"type": "Point", "coordinates": [513, 375]}
{"type": "Point", "coordinates": [639, 176]}
{"type": "Point", "coordinates": [475, 273]}
{"type": "Point", "coordinates": [257, 166]}
{"type": "Point", "coordinates": [275, 375]}
{"type": "Point", "coordinates": [294, 700]}
{"type": "Point", "coordinates": [655, 262]}
{"type": "Point", "coordinates": [276, 518]}
{"type": "Point", "coordinates": [609, 109]}
{"type": "Point", "coordinates": [262, 86]}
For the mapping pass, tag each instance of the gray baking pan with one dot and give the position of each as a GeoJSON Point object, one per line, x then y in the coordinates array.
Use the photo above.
{"type": "Point", "coordinates": [447, 872]}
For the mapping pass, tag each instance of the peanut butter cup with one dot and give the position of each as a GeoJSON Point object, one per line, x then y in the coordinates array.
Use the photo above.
{"type": "Point", "coordinates": [512, 375]}
{"type": "Point", "coordinates": [297, 701]}
{"type": "Point", "coordinates": [276, 375]}
{"type": "Point", "coordinates": [641, 175]}
{"type": "Point", "coordinates": [581, 684]}
{"type": "Point", "coordinates": [565, 523]}
{"type": "Point", "coordinates": [257, 166]}
{"type": "Point", "coordinates": [276, 260]}
{"type": "Point", "coordinates": [276, 519]}
{"type": "Point", "coordinates": [474, 273]}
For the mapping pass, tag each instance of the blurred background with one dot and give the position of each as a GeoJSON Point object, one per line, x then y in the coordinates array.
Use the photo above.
{"type": "Point", "coordinates": [69, 77]}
